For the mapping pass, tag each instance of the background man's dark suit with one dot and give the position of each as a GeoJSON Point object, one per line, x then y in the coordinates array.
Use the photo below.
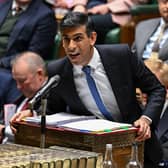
{"type": "Point", "coordinates": [34, 31]}
{"type": "Point", "coordinates": [144, 31]}
{"type": "Point", "coordinates": [8, 90]}
{"type": "Point", "coordinates": [120, 68]}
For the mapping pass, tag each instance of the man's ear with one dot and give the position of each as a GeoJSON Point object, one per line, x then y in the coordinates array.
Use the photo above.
{"type": "Point", "coordinates": [93, 38]}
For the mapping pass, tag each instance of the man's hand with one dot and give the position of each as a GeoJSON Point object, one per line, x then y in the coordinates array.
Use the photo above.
{"type": "Point", "coordinates": [18, 117]}
{"type": "Point", "coordinates": [144, 131]}
{"type": "Point", "coordinates": [2, 127]}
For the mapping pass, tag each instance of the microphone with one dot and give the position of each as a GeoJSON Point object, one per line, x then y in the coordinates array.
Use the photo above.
{"type": "Point", "coordinates": [52, 83]}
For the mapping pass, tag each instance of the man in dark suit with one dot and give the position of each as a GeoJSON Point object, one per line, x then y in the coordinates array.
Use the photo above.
{"type": "Point", "coordinates": [117, 73]}
{"type": "Point", "coordinates": [147, 32]}
{"type": "Point", "coordinates": [25, 26]}
{"type": "Point", "coordinates": [8, 93]}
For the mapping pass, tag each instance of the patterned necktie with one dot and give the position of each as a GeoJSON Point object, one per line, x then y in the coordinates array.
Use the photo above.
{"type": "Point", "coordinates": [156, 45]}
{"type": "Point", "coordinates": [95, 93]}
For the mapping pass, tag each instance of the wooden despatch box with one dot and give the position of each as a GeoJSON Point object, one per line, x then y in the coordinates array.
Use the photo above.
{"type": "Point", "coordinates": [29, 134]}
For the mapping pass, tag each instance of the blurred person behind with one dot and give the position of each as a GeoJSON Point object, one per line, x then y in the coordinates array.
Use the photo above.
{"type": "Point", "coordinates": [26, 25]}
{"type": "Point", "coordinates": [107, 14]}
{"type": "Point", "coordinates": [153, 32]}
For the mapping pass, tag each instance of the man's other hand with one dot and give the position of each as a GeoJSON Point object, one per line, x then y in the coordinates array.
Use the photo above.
{"type": "Point", "coordinates": [2, 128]}
{"type": "Point", "coordinates": [144, 131]}
{"type": "Point", "coordinates": [19, 116]}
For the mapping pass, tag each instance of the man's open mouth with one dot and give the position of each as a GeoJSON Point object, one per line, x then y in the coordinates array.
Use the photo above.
{"type": "Point", "coordinates": [74, 55]}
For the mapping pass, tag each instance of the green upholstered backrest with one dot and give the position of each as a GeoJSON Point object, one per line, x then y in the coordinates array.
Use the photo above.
{"type": "Point", "coordinates": [56, 47]}
{"type": "Point", "coordinates": [113, 36]}
{"type": "Point", "coordinates": [153, 2]}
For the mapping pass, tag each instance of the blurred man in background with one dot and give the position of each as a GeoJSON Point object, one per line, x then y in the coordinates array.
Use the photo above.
{"type": "Point", "coordinates": [25, 25]}
{"type": "Point", "coordinates": [29, 72]}
{"type": "Point", "coordinates": [151, 36]}
{"type": "Point", "coordinates": [107, 14]}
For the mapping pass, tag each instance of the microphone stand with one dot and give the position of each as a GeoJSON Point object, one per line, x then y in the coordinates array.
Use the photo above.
{"type": "Point", "coordinates": [43, 122]}
{"type": "Point", "coordinates": [43, 99]}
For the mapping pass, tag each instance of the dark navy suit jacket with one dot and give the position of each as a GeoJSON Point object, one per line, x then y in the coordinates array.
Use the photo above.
{"type": "Point", "coordinates": [34, 30]}
{"type": "Point", "coordinates": [8, 90]}
{"type": "Point", "coordinates": [125, 72]}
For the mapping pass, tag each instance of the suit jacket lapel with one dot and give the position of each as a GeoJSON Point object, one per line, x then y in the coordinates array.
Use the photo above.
{"type": "Point", "coordinates": [24, 17]}
{"type": "Point", "coordinates": [67, 76]}
{"type": "Point", "coordinates": [112, 69]}
{"type": "Point", "coordinates": [68, 79]}
{"type": "Point", "coordinates": [4, 8]}
{"type": "Point", "coordinates": [110, 65]}
{"type": "Point", "coordinates": [69, 86]}
{"type": "Point", "coordinates": [148, 33]}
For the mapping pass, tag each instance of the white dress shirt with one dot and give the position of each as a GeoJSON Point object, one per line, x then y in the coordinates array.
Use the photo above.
{"type": "Point", "coordinates": [103, 86]}
{"type": "Point", "coordinates": [14, 5]}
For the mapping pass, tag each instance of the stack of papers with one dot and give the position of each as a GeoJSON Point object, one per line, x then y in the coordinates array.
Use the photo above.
{"type": "Point", "coordinates": [80, 123]}
{"type": "Point", "coordinates": [96, 125]}
{"type": "Point", "coordinates": [58, 119]}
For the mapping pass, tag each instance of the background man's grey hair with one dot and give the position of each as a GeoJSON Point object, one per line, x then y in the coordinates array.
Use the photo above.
{"type": "Point", "coordinates": [33, 60]}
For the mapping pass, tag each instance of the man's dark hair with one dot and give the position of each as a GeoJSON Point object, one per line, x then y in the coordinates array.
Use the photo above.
{"type": "Point", "coordinates": [76, 19]}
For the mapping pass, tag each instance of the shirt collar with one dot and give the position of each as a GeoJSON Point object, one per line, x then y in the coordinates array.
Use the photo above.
{"type": "Point", "coordinates": [162, 22]}
{"type": "Point", "coordinates": [94, 62]}
{"type": "Point", "coordinates": [14, 4]}
{"type": "Point", "coordinates": [95, 59]}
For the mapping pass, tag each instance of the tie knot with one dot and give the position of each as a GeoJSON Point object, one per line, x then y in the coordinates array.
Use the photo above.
{"type": "Point", "coordinates": [86, 69]}
{"type": "Point", "coordinates": [164, 27]}
{"type": "Point", "coordinates": [156, 45]}
{"type": "Point", "coordinates": [17, 9]}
